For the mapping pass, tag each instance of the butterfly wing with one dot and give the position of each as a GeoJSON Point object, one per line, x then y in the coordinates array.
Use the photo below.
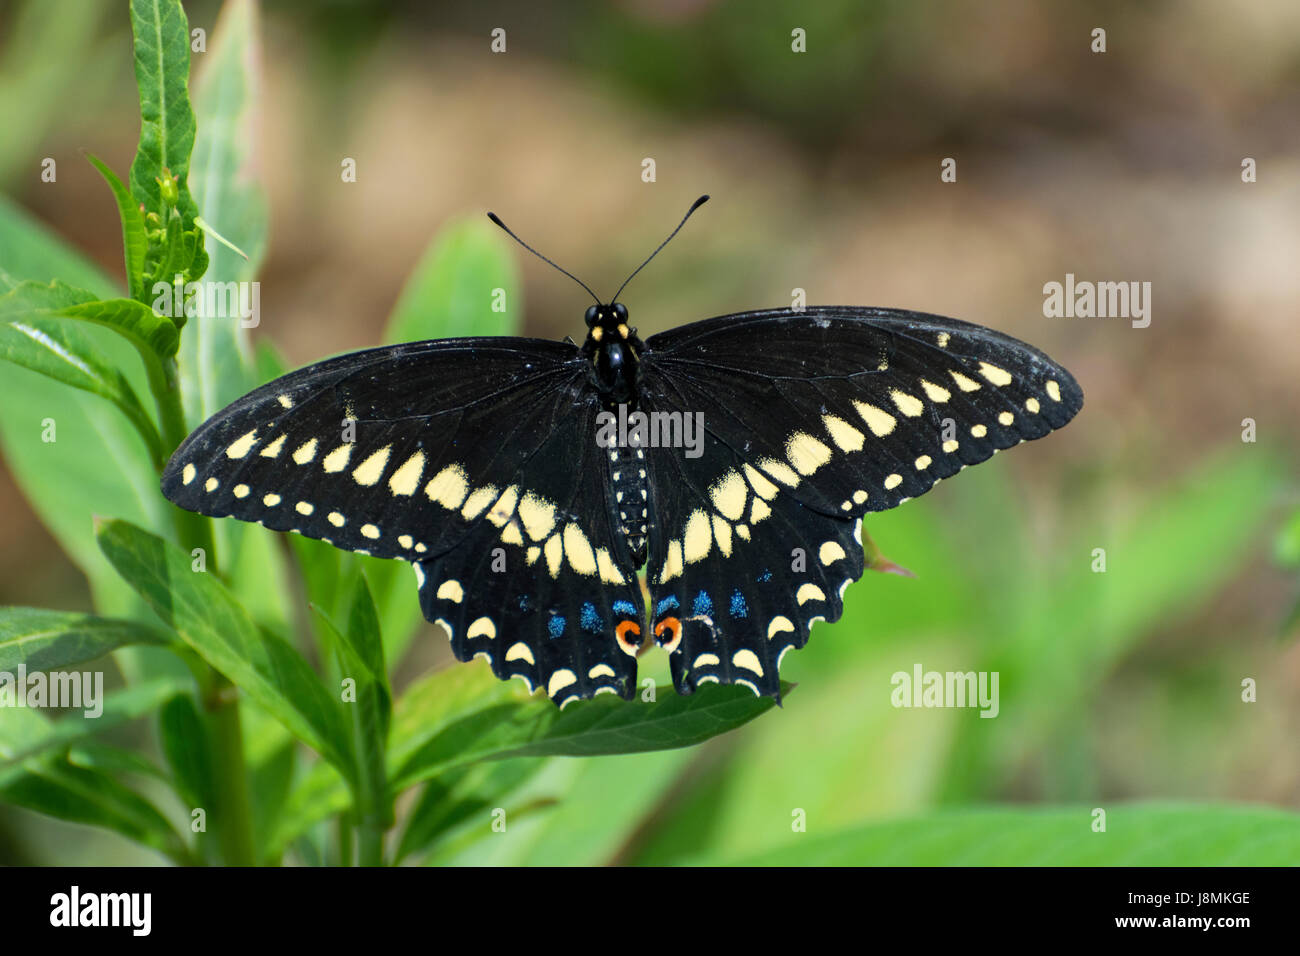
{"type": "Point", "coordinates": [440, 453]}
{"type": "Point", "coordinates": [812, 419]}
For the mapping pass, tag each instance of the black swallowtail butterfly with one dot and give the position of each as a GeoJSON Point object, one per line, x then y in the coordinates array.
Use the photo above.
{"type": "Point", "coordinates": [468, 451]}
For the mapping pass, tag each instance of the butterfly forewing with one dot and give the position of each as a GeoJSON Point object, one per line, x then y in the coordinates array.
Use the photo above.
{"type": "Point", "coordinates": [392, 452]}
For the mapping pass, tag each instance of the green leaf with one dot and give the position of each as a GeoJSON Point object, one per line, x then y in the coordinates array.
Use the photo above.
{"type": "Point", "coordinates": [208, 618]}
{"type": "Point", "coordinates": [187, 746]}
{"type": "Point", "coordinates": [99, 462]}
{"type": "Point", "coordinates": [451, 291]}
{"type": "Point", "coordinates": [460, 796]}
{"type": "Point", "coordinates": [31, 336]}
{"type": "Point", "coordinates": [138, 323]}
{"type": "Point", "coordinates": [134, 243]}
{"type": "Point", "coordinates": [535, 727]}
{"type": "Point", "coordinates": [115, 708]}
{"type": "Point", "coordinates": [43, 640]}
{"type": "Point", "coordinates": [1136, 835]}
{"type": "Point", "coordinates": [361, 651]}
{"type": "Point", "coordinates": [162, 73]}
{"type": "Point", "coordinates": [78, 795]}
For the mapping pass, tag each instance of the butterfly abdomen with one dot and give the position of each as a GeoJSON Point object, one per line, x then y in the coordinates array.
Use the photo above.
{"type": "Point", "coordinates": [627, 480]}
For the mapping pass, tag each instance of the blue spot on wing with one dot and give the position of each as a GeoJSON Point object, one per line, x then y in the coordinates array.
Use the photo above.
{"type": "Point", "coordinates": [555, 625]}
{"type": "Point", "coordinates": [625, 607]}
{"type": "Point", "coordinates": [703, 605]}
{"type": "Point", "coordinates": [764, 577]}
{"type": "Point", "coordinates": [738, 606]}
{"type": "Point", "coordinates": [591, 622]}
{"type": "Point", "coordinates": [669, 602]}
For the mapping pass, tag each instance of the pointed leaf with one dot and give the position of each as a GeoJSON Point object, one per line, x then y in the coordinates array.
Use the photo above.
{"type": "Point", "coordinates": [134, 243]}
{"type": "Point", "coordinates": [208, 618]}
{"type": "Point", "coordinates": [43, 640]}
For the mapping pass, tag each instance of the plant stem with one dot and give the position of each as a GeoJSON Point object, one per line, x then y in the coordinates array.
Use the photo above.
{"type": "Point", "coordinates": [220, 697]}
{"type": "Point", "coordinates": [370, 836]}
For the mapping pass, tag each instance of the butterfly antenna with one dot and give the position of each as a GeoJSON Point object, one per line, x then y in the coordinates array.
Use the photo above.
{"type": "Point", "coordinates": [493, 216]}
{"type": "Point", "coordinates": [694, 206]}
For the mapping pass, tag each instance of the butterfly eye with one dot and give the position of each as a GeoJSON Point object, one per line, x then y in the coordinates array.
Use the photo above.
{"type": "Point", "coordinates": [591, 315]}
{"type": "Point", "coordinates": [620, 311]}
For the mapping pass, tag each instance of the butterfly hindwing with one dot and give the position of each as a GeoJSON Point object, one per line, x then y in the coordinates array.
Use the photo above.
{"type": "Point", "coordinates": [544, 586]}
{"type": "Point", "coordinates": [742, 571]}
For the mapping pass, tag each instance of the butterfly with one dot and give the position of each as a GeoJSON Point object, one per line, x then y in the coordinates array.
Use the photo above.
{"type": "Point", "coordinates": [529, 481]}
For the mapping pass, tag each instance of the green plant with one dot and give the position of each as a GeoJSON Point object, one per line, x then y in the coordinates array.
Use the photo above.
{"type": "Point", "coordinates": [260, 749]}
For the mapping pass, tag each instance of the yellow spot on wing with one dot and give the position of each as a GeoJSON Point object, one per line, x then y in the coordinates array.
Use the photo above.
{"type": "Point", "coordinates": [998, 376]}
{"type": "Point", "coordinates": [273, 449]}
{"type": "Point", "coordinates": [722, 535]}
{"type": "Point", "coordinates": [560, 680]}
{"type": "Point", "coordinates": [748, 660]}
{"type": "Point", "coordinates": [729, 495]}
{"type": "Point", "coordinates": [241, 491]}
{"type": "Point", "coordinates": [478, 502]}
{"type": "Point", "coordinates": [188, 473]}
{"type": "Point", "coordinates": [241, 445]}
{"type": "Point", "coordinates": [336, 460]}
{"type": "Point", "coordinates": [880, 422]}
{"type": "Point", "coordinates": [407, 478]}
{"type": "Point", "coordinates": [1006, 418]}
{"type": "Point", "coordinates": [608, 572]}
{"type": "Point", "coordinates": [271, 500]}
{"type": "Point", "coordinates": [304, 507]}
{"type": "Point", "coordinates": [306, 452]}
{"type": "Point", "coordinates": [937, 393]}
{"type": "Point", "coordinates": [370, 531]}
{"type": "Point", "coordinates": [1053, 390]}
{"type": "Point", "coordinates": [893, 481]}
{"type": "Point", "coordinates": [779, 623]}
{"type": "Point", "coordinates": [482, 627]}
{"type": "Point", "coordinates": [964, 383]}
{"type": "Point", "coordinates": [520, 652]}
{"type": "Point", "coordinates": [923, 463]}
{"type": "Point", "coordinates": [979, 431]}
{"type": "Point", "coordinates": [697, 538]}
{"type": "Point", "coordinates": [909, 405]}
{"type": "Point", "coordinates": [538, 516]}
{"type": "Point", "coordinates": [336, 519]}
{"type": "Point", "coordinates": [809, 592]}
{"type": "Point", "coordinates": [1031, 406]}
{"type": "Point", "coordinates": [578, 550]}
{"type": "Point", "coordinates": [780, 471]}
{"type": "Point", "coordinates": [210, 484]}
{"type": "Point", "coordinates": [830, 552]}
{"type": "Point", "coordinates": [762, 487]}
{"type": "Point", "coordinates": [843, 434]}
{"type": "Point", "coordinates": [554, 550]}
{"type": "Point", "coordinates": [806, 453]}
{"type": "Point", "coordinates": [368, 472]}
{"type": "Point", "coordinates": [504, 507]}
{"type": "Point", "coordinates": [672, 563]}
{"type": "Point", "coordinates": [451, 590]}
{"type": "Point", "coordinates": [448, 487]}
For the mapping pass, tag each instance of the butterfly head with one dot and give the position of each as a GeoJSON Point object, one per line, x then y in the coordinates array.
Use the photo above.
{"type": "Point", "coordinates": [614, 350]}
{"type": "Point", "coordinates": [608, 324]}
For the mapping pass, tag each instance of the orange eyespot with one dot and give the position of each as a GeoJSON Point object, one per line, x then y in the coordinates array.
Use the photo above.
{"type": "Point", "coordinates": [674, 629]}
{"type": "Point", "coordinates": [630, 646]}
